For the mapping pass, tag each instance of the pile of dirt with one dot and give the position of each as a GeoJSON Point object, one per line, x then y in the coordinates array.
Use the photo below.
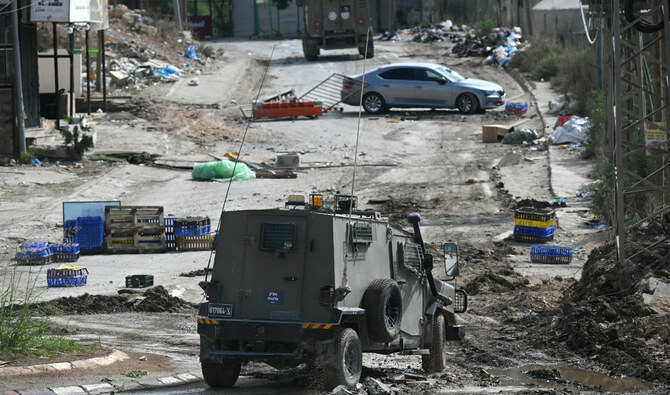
{"type": "Point", "coordinates": [541, 204]}
{"type": "Point", "coordinates": [397, 209]}
{"type": "Point", "coordinates": [156, 299]}
{"type": "Point", "coordinates": [604, 316]}
{"type": "Point", "coordinates": [194, 273]}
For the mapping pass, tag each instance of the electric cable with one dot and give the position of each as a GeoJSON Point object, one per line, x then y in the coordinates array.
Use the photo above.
{"type": "Point", "coordinates": [237, 159]}
{"type": "Point", "coordinates": [586, 29]}
{"type": "Point", "coordinates": [641, 25]}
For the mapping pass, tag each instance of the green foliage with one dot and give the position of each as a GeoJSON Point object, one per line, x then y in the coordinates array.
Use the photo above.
{"type": "Point", "coordinates": [73, 135]}
{"type": "Point", "coordinates": [135, 373]}
{"type": "Point", "coordinates": [484, 27]}
{"type": "Point", "coordinates": [21, 326]}
{"type": "Point", "coordinates": [26, 157]}
{"type": "Point", "coordinates": [571, 71]}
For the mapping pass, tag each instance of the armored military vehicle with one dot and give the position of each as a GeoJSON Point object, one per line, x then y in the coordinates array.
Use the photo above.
{"type": "Point", "coordinates": [321, 285]}
{"type": "Point", "coordinates": [336, 24]}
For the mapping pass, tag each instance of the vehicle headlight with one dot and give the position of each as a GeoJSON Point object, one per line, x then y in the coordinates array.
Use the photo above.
{"type": "Point", "coordinates": [489, 93]}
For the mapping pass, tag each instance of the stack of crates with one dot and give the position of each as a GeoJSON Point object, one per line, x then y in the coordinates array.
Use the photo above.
{"type": "Point", "coordinates": [67, 276]}
{"type": "Point", "coordinates": [87, 232]}
{"type": "Point", "coordinates": [64, 252]}
{"type": "Point", "coordinates": [33, 254]}
{"type": "Point", "coordinates": [550, 254]}
{"type": "Point", "coordinates": [170, 237]}
{"type": "Point", "coordinates": [193, 234]}
{"type": "Point", "coordinates": [134, 229]}
{"type": "Point", "coordinates": [534, 225]}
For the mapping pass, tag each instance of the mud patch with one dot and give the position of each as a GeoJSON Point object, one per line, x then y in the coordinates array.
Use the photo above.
{"type": "Point", "coordinates": [156, 299]}
{"type": "Point", "coordinates": [540, 204]}
{"type": "Point", "coordinates": [194, 273]}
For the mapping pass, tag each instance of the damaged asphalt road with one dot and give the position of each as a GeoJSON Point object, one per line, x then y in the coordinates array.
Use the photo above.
{"type": "Point", "coordinates": [441, 169]}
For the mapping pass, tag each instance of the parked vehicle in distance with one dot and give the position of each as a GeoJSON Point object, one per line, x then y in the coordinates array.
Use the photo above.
{"type": "Point", "coordinates": [336, 24]}
{"type": "Point", "coordinates": [421, 85]}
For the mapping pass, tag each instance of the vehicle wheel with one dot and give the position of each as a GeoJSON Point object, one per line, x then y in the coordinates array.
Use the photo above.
{"type": "Point", "coordinates": [349, 365]}
{"type": "Point", "coordinates": [436, 361]}
{"type": "Point", "coordinates": [373, 103]}
{"type": "Point", "coordinates": [383, 306]}
{"type": "Point", "coordinates": [221, 375]}
{"type": "Point", "coordinates": [467, 103]}
{"type": "Point", "coordinates": [309, 48]}
{"type": "Point", "coordinates": [371, 49]}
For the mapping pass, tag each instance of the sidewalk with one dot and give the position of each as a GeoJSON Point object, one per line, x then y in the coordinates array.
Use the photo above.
{"type": "Point", "coordinates": [72, 379]}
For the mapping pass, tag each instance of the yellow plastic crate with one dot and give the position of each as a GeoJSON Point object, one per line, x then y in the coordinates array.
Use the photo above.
{"type": "Point", "coordinates": [528, 223]}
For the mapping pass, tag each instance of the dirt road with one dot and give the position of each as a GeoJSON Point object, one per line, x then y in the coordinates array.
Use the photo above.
{"type": "Point", "coordinates": [432, 162]}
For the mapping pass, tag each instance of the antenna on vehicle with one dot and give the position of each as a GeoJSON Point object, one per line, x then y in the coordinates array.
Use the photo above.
{"type": "Point", "coordinates": [358, 133]}
{"type": "Point", "coordinates": [237, 159]}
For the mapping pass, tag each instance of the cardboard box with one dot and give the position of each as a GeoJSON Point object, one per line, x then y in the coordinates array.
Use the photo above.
{"type": "Point", "coordinates": [490, 133]}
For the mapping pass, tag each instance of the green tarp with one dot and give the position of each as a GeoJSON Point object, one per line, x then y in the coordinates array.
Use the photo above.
{"type": "Point", "coordinates": [221, 171]}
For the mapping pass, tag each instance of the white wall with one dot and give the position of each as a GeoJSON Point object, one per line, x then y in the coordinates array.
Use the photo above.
{"type": "Point", "coordinates": [46, 72]}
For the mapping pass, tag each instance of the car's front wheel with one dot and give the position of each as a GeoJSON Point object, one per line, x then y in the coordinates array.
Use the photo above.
{"type": "Point", "coordinates": [373, 103]}
{"type": "Point", "coordinates": [467, 103]}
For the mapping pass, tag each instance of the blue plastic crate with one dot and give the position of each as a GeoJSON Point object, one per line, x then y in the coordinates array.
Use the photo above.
{"type": "Point", "coordinates": [33, 256]}
{"type": "Point", "coordinates": [550, 254]}
{"type": "Point", "coordinates": [170, 237]}
{"type": "Point", "coordinates": [27, 246]}
{"type": "Point", "coordinates": [533, 235]}
{"type": "Point", "coordinates": [537, 232]}
{"type": "Point", "coordinates": [519, 108]}
{"type": "Point", "coordinates": [90, 234]}
{"type": "Point", "coordinates": [76, 281]}
{"type": "Point", "coordinates": [192, 226]}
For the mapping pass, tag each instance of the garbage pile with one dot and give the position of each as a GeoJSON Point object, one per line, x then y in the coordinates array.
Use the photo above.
{"type": "Point", "coordinates": [139, 55]}
{"type": "Point", "coordinates": [571, 129]}
{"type": "Point", "coordinates": [498, 47]}
{"type": "Point", "coordinates": [426, 33]}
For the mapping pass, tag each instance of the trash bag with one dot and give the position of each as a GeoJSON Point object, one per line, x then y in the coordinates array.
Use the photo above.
{"type": "Point", "coordinates": [166, 73]}
{"type": "Point", "coordinates": [190, 52]}
{"type": "Point", "coordinates": [519, 136]}
{"type": "Point", "coordinates": [221, 171]}
{"type": "Point", "coordinates": [575, 130]}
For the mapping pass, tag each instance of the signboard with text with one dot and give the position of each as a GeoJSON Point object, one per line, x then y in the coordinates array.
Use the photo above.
{"type": "Point", "coordinates": [200, 25]}
{"type": "Point", "coordinates": [68, 11]}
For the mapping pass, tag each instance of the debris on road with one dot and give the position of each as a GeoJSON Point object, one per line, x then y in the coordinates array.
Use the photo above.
{"type": "Point", "coordinates": [520, 136]}
{"type": "Point", "coordinates": [491, 133]}
{"type": "Point", "coordinates": [222, 171]}
{"type": "Point", "coordinates": [571, 129]}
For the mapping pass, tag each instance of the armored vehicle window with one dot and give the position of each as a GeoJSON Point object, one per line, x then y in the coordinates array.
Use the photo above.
{"type": "Point", "coordinates": [278, 237]}
{"type": "Point", "coordinates": [362, 233]}
{"type": "Point", "coordinates": [412, 256]}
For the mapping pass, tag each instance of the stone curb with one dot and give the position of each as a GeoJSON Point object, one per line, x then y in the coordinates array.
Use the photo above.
{"type": "Point", "coordinates": [176, 379]}
{"type": "Point", "coordinates": [114, 357]}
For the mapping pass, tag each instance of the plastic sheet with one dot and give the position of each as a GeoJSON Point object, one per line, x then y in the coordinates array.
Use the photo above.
{"type": "Point", "coordinates": [221, 171]}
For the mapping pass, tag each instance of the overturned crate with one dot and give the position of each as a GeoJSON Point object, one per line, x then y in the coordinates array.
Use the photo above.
{"type": "Point", "coordinates": [134, 229]}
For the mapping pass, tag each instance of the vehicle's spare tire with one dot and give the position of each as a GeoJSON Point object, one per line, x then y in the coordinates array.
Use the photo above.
{"type": "Point", "coordinates": [383, 307]}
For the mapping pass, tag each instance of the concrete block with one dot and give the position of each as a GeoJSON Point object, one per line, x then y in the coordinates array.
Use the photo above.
{"type": "Point", "coordinates": [102, 388]}
{"type": "Point", "coordinates": [69, 391]}
{"type": "Point", "coordinates": [169, 380]}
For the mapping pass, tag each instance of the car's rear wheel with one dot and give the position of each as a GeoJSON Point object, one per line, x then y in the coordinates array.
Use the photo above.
{"type": "Point", "coordinates": [373, 103]}
{"type": "Point", "coordinates": [221, 375]}
{"type": "Point", "coordinates": [467, 103]}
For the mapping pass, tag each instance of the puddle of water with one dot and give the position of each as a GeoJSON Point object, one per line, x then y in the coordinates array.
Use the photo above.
{"type": "Point", "coordinates": [571, 373]}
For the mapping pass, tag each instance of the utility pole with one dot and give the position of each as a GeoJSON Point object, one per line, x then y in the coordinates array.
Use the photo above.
{"type": "Point", "coordinates": [18, 78]}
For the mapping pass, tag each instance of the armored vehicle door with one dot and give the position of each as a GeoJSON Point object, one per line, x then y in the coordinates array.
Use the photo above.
{"type": "Point", "coordinates": [340, 15]}
{"type": "Point", "coordinates": [409, 259]}
{"type": "Point", "coordinates": [271, 288]}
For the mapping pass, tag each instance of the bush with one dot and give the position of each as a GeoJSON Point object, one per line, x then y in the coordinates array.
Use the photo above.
{"type": "Point", "coordinates": [21, 327]}
{"type": "Point", "coordinates": [26, 157]}
{"type": "Point", "coordinates": [570, 70]}
{"type": "Point", "coordinates": [484, 27]}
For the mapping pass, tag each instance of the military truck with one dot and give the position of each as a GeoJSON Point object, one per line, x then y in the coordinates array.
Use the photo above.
{"type": "Point", "coordinates": [336, 24]}
{"type": "Point", "coordinates": [314, 284]}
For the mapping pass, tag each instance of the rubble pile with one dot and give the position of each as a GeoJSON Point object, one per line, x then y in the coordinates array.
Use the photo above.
{"type": "Point", "coordinates": [617, 314]}
{"type": "Point", "coordinates": [156, 299]}
{"type": "Point", "coordinates": [140, 53]}
{"type": "Point", "coordinates": [426, 33]}
{"type": "Point", "coordinates": [498, 47]}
